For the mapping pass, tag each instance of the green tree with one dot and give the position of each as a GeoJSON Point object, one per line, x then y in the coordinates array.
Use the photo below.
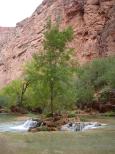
{"type": "Point", "coordinates": [15, 92]}
{"type": "Point", "coordinates": [50, 70]}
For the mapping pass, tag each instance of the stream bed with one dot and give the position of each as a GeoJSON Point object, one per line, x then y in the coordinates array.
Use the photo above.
{"type": "Point", "coordinates": [9, 123]}
{"type": "Point", "coordinates": [25, 126]}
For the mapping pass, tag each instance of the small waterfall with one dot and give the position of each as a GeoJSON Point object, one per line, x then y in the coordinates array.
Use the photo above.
{"type": "Point", "coordinates": [26, 126]}
{"type": "Point", "coordinates": [19, 126]}
{"type": "Point", "coordinates": [81, 126]}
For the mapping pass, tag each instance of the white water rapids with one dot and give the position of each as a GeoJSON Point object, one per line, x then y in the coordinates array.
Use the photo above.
{"type": "Point", "coordinates": [17, 126]}
{"type": "Point", "coordinates": [25, 126]}
{"type": "Point", "coordinates": [81, 126]}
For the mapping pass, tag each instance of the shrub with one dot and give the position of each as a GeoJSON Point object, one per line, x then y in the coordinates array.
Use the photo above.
{"type": "Point", "coordinates": [71, 114]}
{"type": "Point", "coordinates": [14, 92]}
{"type": "Point", "coordinates": [3, 101]}
{"type": "Point", "coordinates": [109, 114]}
{"type": "Point", "coordinates": [95, 79]}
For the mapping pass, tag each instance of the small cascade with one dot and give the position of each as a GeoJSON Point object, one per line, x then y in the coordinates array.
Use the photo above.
{"type": "Point", "coordinates": [81, 126]}
{"type": "Point", "coordinates": [26, 126]}
{"type": "Point", "coordinates": [19, 126]}
{"type": "Point", "coordinates": [34, 123]}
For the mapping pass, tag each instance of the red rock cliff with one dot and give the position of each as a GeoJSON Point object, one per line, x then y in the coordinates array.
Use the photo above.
{"type": "Point", "coordinates": [93, 22]}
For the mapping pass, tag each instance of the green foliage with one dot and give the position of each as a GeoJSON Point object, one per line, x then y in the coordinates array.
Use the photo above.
{"type": "Point", "coordinates": [50, 71]}
{"type": "Point", "coordinates": [95, 80]}
{"type": "Point", "coordinates": [84, 94]}
{"type": "Point", "coordinates": [36, 97]}
{"type": "Point", "coordinates": [83, 119]}
{"type": "Point", "coordinates": [71, 114]}
{"type": "Point", "coordinates": [103, 95]}
{"type": "Point", "coordinates": [109, 114]}
{"type": "Point", "coordinates": [3, 101]}
{"type": "Point", "coordinates": [12, 93]}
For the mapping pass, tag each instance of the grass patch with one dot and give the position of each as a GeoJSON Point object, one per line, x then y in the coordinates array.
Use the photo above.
{"type": "Point", "coordinates": [94, 142]}
{"type": "Point", "coordinates": [109, 114]}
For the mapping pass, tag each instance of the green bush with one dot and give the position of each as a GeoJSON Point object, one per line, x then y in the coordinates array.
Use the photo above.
{"type": "Point", "coordinates": [12, 93]}
{"type": "Point", "coordinates": [109, 114]}
{"type": "Point", "coordinates": [3, 101]}
{"type": "Point", "coordinates": [71, 114]}
{"type": "Point", "coordinates": [95, 79]}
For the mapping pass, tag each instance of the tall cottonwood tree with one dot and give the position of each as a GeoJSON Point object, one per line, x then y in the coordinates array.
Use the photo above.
{"type": "Point", "coordinates": [51, 68]}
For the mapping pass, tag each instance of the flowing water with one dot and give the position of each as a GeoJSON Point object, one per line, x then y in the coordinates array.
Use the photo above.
{"type": "Point", "coordinates": [16, 125]}
{"type": "Point", "coordinates": [25, 126]}
{"type": "Point", "coordinates": [7, 126]}
{"type": "Point", "coordinates": [19, 126]}
{"type": "Point", "coordinates": [82, 126]}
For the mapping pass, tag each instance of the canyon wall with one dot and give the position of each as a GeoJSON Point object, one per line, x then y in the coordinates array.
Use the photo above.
{"type": "Point", "coordinates": [93, 22]}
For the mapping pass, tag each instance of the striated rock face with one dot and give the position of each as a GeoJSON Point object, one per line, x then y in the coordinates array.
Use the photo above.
{"type": "Point", "coordinates": [93, 22]}
{"type": "Point", "coordinates": [5, 34]}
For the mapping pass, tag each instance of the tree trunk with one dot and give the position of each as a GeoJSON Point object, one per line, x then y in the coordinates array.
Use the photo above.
{"type": "Point", "coordinates": [51, 98]}
{"type": "Point", "coordinates": [24, 88]}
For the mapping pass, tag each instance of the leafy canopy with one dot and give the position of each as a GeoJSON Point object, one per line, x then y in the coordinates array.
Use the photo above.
{"type": "Point", "coordinates": [50, 71]}
{"type": "Point", "coordinates": [95, 80]}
